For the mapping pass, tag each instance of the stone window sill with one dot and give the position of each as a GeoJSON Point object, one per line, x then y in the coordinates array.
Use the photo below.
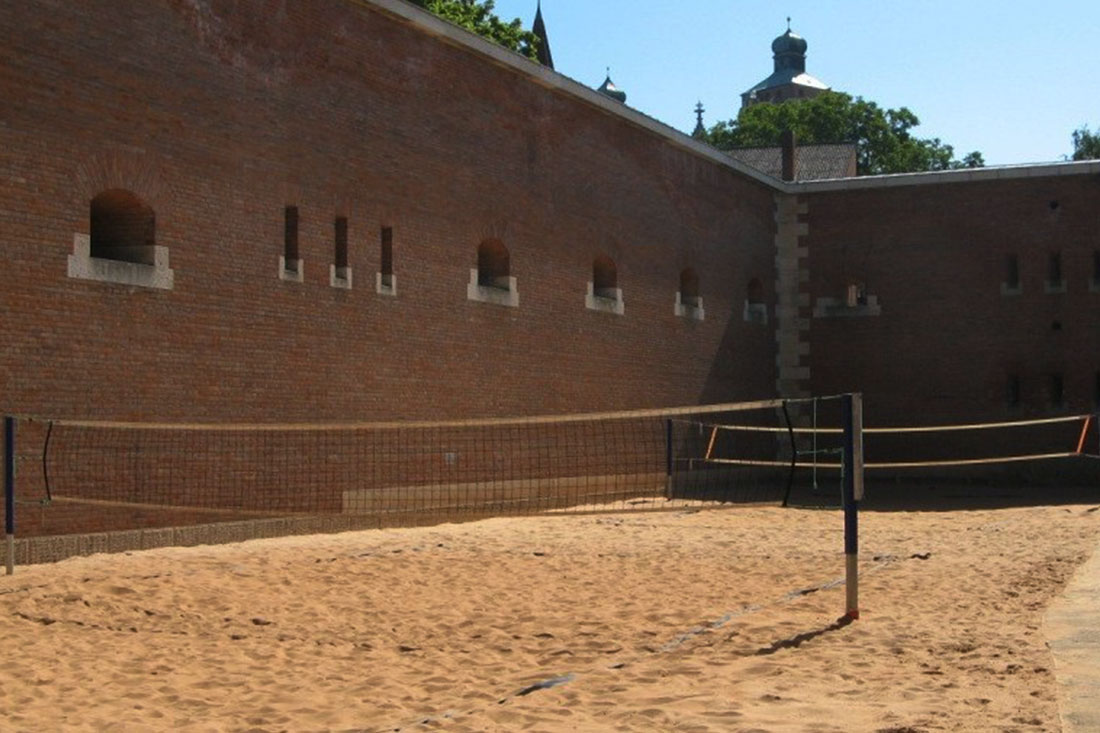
{"type": "Point", "coordinates": [339, 277]}
{"type": "Point", "coordinates": [82, 266]}
{"type": "Point", "coordinates": [291, 270]}
{"type": "Point", "coordinates": [837, 308]}
{"type": "Point", "coordinates": [755, 313]}
{"type": "Point", "coordinates": [385, 284]}
{"type": "Point", "coordinates": [689, 307]}
{"type": "Point", "coordinates": [506, 296]}
{"type": "Point", "coordinates": [609, 300]}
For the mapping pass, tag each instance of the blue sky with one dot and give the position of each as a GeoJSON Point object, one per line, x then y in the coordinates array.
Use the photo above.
{"type": "Point", "coordinates": [1012, 79]}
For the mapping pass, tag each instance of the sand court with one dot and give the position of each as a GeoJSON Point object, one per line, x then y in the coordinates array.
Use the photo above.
{"type": "Point", "coordinates": [702, 620]}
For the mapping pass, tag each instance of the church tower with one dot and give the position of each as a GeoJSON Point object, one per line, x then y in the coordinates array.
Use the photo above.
{"type": "Point", "coordinates": [539, 29]}
{"type": "Point", "coordinates": [789, 80]}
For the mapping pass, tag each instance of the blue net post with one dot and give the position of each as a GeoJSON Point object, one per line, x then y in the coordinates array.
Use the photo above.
{"type": "Point", "coordinates": [668, 458]}
{"type": "Point", "coordinates": [9, 490]}
{"type": "Point", "coordinates": [852, 417]}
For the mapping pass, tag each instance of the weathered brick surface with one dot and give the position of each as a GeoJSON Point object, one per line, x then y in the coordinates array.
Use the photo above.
{"type": "Point", "coordinates": [220, 114]}
{"type": "Point", "coordinates": [947, 339]}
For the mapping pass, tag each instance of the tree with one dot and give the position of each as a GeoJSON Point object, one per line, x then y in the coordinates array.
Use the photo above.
{"type": "Point", "coordinates": [882, 136]}
{"type": "Point", "coordinates": [478, 16]}
{"type": "Point", "coordinates": [1086, 145]}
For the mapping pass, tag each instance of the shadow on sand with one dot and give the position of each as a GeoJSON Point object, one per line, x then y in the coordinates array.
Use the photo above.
{"type": "Point", "coordinates": [935, 495]}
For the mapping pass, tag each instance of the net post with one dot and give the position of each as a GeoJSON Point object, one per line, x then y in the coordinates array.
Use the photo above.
{"type": "Point", "coordinates": [9, 490]}
{"type": "Point", "coordinates": [668, 458]}
{"type": "Point", "coordinates": [852, 416]}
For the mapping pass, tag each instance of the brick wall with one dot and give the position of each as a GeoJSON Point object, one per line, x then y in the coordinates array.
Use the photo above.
{"type": "Point", "coordinates": [218, 115]}
{"type": "Point", "coordinates": [948, 340]}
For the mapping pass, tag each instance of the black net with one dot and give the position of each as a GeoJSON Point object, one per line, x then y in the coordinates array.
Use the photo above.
{"type": "Point", "coordinates": [81, 477]}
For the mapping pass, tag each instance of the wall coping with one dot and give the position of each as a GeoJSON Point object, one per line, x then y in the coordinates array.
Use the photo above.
{"type": "Point", "coordinates": [455, 35]}
{"type": "Point", "coordinates": [449, 33]}
{"type": "Point", "coordinates": [963, 175]}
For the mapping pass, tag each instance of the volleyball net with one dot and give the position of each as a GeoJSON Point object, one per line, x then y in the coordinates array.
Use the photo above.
{"type": "Point", "coordinates": [82, 476]}
{"type": "Point", "coordinates": [1063, 448]}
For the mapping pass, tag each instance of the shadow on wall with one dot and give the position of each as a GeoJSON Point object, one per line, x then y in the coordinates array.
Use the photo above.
{"type": "Point", "coordinates": [743, 368]}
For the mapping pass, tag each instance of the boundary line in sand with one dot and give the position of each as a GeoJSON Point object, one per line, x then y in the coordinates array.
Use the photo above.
{"type": "Point", "coordinates": [673, 644]}
{"type": "Point", "coordinates": [1072, 627]}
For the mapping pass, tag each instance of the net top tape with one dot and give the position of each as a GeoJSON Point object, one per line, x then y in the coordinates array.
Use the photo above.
{"type": "Point", "coordinates": [663, 412]}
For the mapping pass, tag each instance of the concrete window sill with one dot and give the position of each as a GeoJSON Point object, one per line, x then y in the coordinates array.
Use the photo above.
{"type": "Point", "coordinates": [82, 266]}
{"type": "Point", "coordinates": [504, 293]}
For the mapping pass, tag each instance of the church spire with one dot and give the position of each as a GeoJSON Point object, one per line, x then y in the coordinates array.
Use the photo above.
{"type": "Point", "coordinates": [539, 29]}
{"type": "Point", "coordinates": [699, 132]}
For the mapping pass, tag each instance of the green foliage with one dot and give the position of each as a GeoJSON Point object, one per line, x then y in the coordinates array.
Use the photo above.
{"type": "Point", "coordinates": [1086, 145]}
{"type": "Point", "coordinates": [882, 136]}
{"type": "Point", "coordinates": [478, 16]}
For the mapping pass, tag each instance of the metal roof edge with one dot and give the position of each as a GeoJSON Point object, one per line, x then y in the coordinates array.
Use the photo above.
{"type": "Point", "coordinates": [962, 175]}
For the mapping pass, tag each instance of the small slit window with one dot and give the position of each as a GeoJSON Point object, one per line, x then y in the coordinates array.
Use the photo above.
{"type": "Point", "coordinates": [604, 293]}
{"type": "Point", "coordinates": [1012, 390]}
{"type": "Point", "coordinates": [756, 311]}
{"type": "Point", "coordinates": [492, 281]}
{"type": "Point", "coordinates": [689, 299]}
{"type": "Point", "coordinates": [387, 283]}
{"type": "Point", "coordinates": [290, 263]}
{"type": "Point", "coordinates": [1056, 390]}
{"type": "Point", "coordinates": [1055, 283]}
{"type": "Point", "coordinates": [340, 274]}
{"type": "Point", "coordinates": [1011, 284]}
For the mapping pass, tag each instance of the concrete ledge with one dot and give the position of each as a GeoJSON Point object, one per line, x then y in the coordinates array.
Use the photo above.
{"type": "Point", "coordinates": [837, 308]}
{"type": "Point", "coordinates": [1072, 628]}
{"type": "Point", "coordinates": [339, 277]}
{"type": "Point", "coordinates": [382, 287]}
{"type": "Point", "coordinates": [607, 301]}
{"type": "Point", "coordinates": [291, 270]}
{"type": "Point", "coordinates": [689, 307]}
{"type": "Point", "coordinates": [36, 550]}
{"type": "Point", "coordinates": [82, 266]}
{"type": "Point", "coordinates": [757, 313]}
{"type": "Point", "coordinates": [507, 296]}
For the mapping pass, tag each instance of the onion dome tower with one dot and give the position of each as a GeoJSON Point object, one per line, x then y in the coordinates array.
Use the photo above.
{"type": "Point", "coordinates": [789, 80]}
{"type": "Point", "coordinates": [608, 89]}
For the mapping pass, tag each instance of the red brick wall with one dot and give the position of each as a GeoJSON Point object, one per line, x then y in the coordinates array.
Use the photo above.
{"type": "Point", "coordinates": [947, 339]}
{"type": "Point", "coordinates": [220, 114]}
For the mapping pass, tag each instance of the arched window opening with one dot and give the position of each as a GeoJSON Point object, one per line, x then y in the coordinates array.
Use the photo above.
{"type": "Point", "coordinates": [123, 228]}
{"type": "Point", "coordinates": [604, 277]}
{"type": "Point", "coordinates": [492, 265]}
{"type": "Point", "coordinates": [689, 300]}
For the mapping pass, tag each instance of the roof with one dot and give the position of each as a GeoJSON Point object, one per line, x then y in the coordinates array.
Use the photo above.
{"type": "Point", "coordinates": [812, 162]}
{"type": "Point", "coordinates": [429, 24]}
{"type": "Point", "coordinates": [782, 77]}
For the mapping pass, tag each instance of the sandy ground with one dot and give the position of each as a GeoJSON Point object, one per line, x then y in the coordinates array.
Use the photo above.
{"type": "Point", "coordinates": [685, 621]}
